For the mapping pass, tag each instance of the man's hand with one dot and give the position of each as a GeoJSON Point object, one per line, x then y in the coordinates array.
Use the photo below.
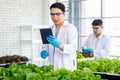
{"type": "Point", "coordinates": [90, 50]}
{"type": "Point", "coordinates": [44, 54]}
{"type": "Point", "coordinates": [87, 50]}
{"type": "Point", "coordinates": [53, 41]}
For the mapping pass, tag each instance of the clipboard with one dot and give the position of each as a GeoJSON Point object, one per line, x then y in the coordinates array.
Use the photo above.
{"type": "Point", "coordinates": [45, 32]}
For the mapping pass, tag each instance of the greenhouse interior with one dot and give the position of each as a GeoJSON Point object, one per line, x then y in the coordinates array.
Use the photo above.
{"type": "Point", "coordinates": [59, 40]}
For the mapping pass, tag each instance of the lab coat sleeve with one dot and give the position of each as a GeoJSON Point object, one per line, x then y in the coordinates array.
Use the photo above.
{"type": "Point", "coordinates": [106, 50]}
{"type": "Point", "coordinates": [88, 43]}
{"type": "Point", "coordinates": [71, 46]}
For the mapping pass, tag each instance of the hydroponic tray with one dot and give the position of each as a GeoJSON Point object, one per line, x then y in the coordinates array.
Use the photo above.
{"type": "Point", "coordinates": [108, 76]}
{"type": "Point", "coordinates": [6, 65]}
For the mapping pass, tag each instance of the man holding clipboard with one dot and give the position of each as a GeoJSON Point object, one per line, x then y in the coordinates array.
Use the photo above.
{"type": "Point", "coordinates": [61, 50]}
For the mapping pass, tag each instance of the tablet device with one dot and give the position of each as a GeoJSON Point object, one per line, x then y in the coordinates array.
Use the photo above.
{"type": "Point", "coordinates": [45, 32]}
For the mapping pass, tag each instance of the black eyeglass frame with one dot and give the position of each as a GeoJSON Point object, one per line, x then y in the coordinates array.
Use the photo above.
{"type": "Point", "coordinates": [57, 14]}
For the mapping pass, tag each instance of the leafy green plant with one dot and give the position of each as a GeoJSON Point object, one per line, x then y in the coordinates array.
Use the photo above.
{"type": "Point", "coordinates": [79, 55]}
{"type": "Point", "coordinates": [33, 72]}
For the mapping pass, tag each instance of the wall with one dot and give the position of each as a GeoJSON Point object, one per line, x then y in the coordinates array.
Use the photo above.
{"type": "Point", "coordinates": [13, 14]}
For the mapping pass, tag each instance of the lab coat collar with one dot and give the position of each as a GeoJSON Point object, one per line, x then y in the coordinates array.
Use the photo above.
{"type": "Point", "coordinates": [65, 23]}
{"type": "Point", "coordinates": [54, 27]}
{"type": "Point", "coordinates": [100, 35]}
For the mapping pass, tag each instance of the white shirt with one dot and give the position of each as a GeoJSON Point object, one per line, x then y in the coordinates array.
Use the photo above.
{"type": "Point", "coordinates": [68, 36]}
{"type": "Point", "coordinates": [100, 45]}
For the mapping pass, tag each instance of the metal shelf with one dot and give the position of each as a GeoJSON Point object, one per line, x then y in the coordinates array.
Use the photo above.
{"type": "Point", "coordinates": [31, 43]}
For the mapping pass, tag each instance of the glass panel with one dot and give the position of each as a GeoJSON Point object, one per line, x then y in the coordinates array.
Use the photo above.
{"type": "Point", "coordinates": [112, 26]}
{"type": "Point", "coordinates": [86, 27]}
{"type": "Point", "coordinates": [115, 50]}
{"type": "Point", "coordinates": [111, 8]}
{"type": "Point", "coordinates": [91, 8]}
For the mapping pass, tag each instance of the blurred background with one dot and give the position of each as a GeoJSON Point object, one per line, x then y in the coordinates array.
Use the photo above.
{"type": "Point", "coordinates": [20, 21]}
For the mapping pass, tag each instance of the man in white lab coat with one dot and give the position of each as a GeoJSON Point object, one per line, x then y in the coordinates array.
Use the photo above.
{"type": "Point", "coordinates": [98, 42]}
{"type": "Point", "coordinates": [63, 44]}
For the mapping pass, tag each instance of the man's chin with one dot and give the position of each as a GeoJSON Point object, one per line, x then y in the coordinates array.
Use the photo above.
{"type": "Point", "coordinates": [57, 23]}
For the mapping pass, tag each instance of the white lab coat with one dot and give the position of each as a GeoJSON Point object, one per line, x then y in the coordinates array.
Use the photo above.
{"type": "Point", "coordinates": [67, 58]}
{"type": "Point", "coordinates": [101, 46]}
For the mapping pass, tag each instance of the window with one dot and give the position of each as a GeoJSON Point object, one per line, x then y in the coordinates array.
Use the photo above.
{"type": "Point", "coordinates": [83, 12]}
{"type": "Point", "coordinates": [111, 17]}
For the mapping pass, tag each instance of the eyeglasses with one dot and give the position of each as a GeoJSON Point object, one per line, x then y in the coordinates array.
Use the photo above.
{"type": "Point", "coordinates": [95, 28]}
{"type": "Point", "coordinates": [57, 14]}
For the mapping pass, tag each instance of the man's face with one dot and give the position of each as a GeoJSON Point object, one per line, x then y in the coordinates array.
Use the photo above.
{"type": "Point", "coordinates": [57, 16]}
{"type": "Point", "coordinates": [97, 30]}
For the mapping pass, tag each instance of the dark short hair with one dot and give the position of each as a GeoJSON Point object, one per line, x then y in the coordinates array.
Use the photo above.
{"type": "Point", "coordinates": [58, 5]}
{"type": "Point", "coordinates": [97, 22]}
